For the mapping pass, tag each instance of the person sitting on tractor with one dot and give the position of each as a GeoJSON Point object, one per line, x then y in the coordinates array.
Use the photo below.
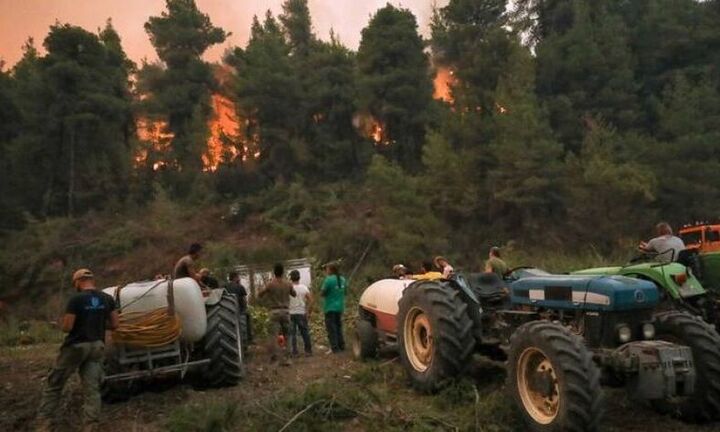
{"type": "Point", "coordinates": [445, 268]}
{"type": "Point", "coordinates": [665, 246]}
{"type": "Point", "coordinates": [185, 267]}
{"type": "Point", "coordinates": [495, 263]}
{"type": "Point", "coordinates": [427, 272]}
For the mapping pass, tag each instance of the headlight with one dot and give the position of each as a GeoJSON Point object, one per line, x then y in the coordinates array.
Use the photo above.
{"type": "Point", "coordinates": [624, 333]}
{"type": "Point", "coordinates": [648, 331]}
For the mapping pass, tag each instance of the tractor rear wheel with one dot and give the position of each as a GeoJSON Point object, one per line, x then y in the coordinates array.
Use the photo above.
{"type": "Point", "coordinates": [223, 344]}
{"type": "Point", "coordinates": [434, 334]}
{"type": "Point", "coordinates": [365, 340]}
{"type": "Point", "coordinates": [553, 379]}
{"type": "Point", "coordinates": [704, 341]}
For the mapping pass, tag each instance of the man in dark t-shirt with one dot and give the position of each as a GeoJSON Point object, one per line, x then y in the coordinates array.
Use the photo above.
{"type": "Point", "coordinates": [235, 287]}
{"type": "Point", "coordinates": [87, 315]}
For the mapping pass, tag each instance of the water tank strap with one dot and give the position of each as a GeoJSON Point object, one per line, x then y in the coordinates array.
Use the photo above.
{"type": "Point", "coordinates": [117, 296]}
{"type": "Point", "coordinates": [171, 298]}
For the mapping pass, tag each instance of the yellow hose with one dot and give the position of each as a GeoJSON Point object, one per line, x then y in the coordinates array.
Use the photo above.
{"type": "Point", "coordinates": [147, 329]}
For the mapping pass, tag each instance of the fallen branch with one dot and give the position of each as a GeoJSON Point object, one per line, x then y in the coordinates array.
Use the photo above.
{"type": "Point", "coordinates": [299, 413]}
{"type": "Point", "coordinates": [387, 362]}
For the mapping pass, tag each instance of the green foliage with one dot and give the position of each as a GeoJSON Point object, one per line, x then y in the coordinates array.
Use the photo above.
{"type": "Point", "coordinates": [14, 332]}
{"type": "Point", "coordinates": [525, 180]}
{"type": "Point", "coordinates": [600, 182]}
{"type": "Point", "coordinates": [401, 219]}
{"type": "Point", "coordinates": [70, 150]}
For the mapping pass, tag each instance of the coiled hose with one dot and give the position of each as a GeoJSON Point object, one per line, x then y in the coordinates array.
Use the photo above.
{"type": "Point", "coordinates": [147, 329]}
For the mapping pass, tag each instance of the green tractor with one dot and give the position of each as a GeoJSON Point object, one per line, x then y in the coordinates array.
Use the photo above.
{"type": "Point", "coordinates": [678, 283]}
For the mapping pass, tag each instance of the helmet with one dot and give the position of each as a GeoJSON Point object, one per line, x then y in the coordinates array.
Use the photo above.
{"type": "Point", "coordinates": [82, 274]}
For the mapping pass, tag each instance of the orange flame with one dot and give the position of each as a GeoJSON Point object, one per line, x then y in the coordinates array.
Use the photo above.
{"type": "Point", "coordinates": [223, 125]}
{"type": "Point", "coordinates": [370, 127]}
{"type": "Point", "coordinates": [226, 142]}
{"type": "Point", "coordinates": [443, 83]}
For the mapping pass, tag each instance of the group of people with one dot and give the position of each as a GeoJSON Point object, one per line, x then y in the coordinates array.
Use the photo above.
{"type": "Point", "coordinates": [440, 268]}
{"type": "Point", "coordinates": [291, 303]}
{"type": "Point", "coordinates": [90, 312]}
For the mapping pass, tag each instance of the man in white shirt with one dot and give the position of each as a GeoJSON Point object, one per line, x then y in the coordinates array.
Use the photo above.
{"type": "Point", "coordinates": [299, 312]}
{"type": "Point", "coordinates": [666, 245]}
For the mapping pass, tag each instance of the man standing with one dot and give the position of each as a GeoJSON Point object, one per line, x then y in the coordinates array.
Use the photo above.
{"type": "Point", "coordinates": [87, 315]}
{"type": "Point", "coordinates": [666, 245]}
{"type": "Point", "coordinates": [185, 267]}
{"type": "Point", "coordinates": [276, 295]}
{"type": "Point", "coordinates": [299, 313]}
{"type": "Point", "coordinates": [495, 264]}
{"type": "Point", "coordinates": [235, 287]}
{"type": "Point", "coordinates": [333, 289]}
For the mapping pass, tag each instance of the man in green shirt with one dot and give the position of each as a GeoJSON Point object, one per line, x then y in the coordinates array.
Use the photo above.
{"type": "Point", "coordinates": [333, 292]}
{"type": "Point", "coordinates": [495, 264]}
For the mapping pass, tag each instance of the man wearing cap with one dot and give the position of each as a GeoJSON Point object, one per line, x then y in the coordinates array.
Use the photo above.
{"type": "Point", "coordinates": [88, 314]}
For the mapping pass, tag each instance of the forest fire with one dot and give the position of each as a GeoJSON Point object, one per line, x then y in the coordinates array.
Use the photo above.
{"type": "Point", "coordinates": [223, 125]}
{"type": "Point", "coordinates": [370, 127]}
{"type": "Point", "coordinates": [225, 142]}
{"type": "Point", "coordinates": [443, 83]}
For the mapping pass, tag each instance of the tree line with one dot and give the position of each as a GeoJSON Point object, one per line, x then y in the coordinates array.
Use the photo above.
{"type": "Point", "coordinates": [575, 122]}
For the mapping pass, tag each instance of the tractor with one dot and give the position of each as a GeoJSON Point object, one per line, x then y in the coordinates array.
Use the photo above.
{"type": "Point", "coordinates": [172, 328]}
{"type": "Point", "coordinates": [561, 335]}
{"type": "Point", "coordinates": [682, 284]}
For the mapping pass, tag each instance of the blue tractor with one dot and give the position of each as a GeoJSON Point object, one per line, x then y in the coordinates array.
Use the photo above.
{"type": "Point", "coordinates": [563, 336]}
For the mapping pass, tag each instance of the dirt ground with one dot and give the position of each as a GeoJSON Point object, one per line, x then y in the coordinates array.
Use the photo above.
{"type": "Point", "coordinates": [23, 369]}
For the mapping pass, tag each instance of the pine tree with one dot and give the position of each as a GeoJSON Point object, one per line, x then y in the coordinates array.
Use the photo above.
{"type": "Point", "coordinates": [610, 195]}
{"type": "Point", "coordinates": [270, 96]}
{"type": "Point", "coordinates": [394, 85]}
{"type": "Point", "coordinates": [587, 71]}
{"type": "Point", "coordinates": [179, 90]}
{"type": "Point", "coordinates": [525, 180]}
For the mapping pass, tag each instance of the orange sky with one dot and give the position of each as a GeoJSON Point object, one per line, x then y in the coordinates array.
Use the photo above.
{"type": "Point", "coordinates": [20, 19]}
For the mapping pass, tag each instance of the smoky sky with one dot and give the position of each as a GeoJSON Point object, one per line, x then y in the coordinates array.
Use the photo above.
{"type": "Point", "coordinates": [21, 19]}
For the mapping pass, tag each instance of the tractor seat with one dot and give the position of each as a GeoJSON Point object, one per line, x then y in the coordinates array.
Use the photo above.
{"type": "Point", "coordinates": [488, 286]}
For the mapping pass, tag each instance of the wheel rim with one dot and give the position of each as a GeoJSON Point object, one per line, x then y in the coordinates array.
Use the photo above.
{"type": "Point", "coordinates": [418, 338]}
{"type": "Point", "coordinates": [538, 386]}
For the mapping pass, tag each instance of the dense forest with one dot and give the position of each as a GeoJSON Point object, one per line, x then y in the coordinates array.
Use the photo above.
{"type": "Point", "coordinates": [563, 124]}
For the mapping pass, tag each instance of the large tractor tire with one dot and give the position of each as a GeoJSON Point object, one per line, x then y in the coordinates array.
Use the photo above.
{"type": "Point", "coordinates": [704, 341]}
{"type": "Point", "coordinates": [223, 344]}
{"type": "Point", "coordinates": [364, 341]}
{"type": "Point", "coordinates": [553, 379]}
{"type": "Point", "coordinates": [434, 334]}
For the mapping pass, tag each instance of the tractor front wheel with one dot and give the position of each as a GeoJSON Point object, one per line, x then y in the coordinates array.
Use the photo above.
{"type": "Point", "coordinates": [704, 342]}
{"type": "Point", "coordinates": [365, 340]}
{"type": "Point", "coordinates": [553, 379]}
{"type": "Point", "coordinates": [434, 334]}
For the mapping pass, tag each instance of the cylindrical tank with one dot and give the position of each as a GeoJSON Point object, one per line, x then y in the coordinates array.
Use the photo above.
{"type": "Point", "coordinates": [150, 295]}
{"type": "Point", "coordinates": [381, 299]}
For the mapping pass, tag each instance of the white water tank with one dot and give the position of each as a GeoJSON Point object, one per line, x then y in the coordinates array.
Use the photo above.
{"type": "Point", "coordinates": [150, 295]}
